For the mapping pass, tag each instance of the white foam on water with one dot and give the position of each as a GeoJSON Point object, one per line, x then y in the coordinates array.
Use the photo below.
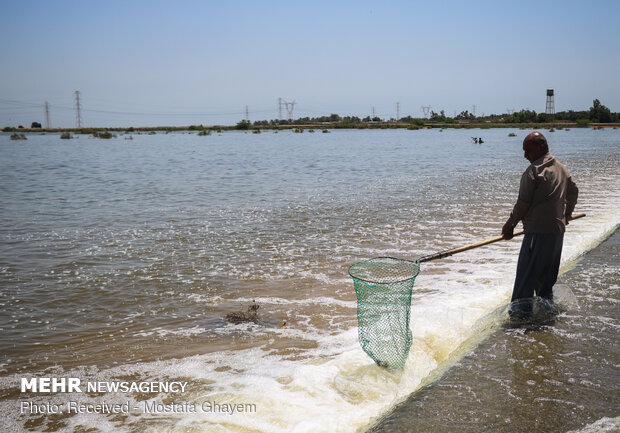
{"type": "Point", "coordinates": [320, 300]}
{"type": "Point", "coordinates": [200, 298]}
{"type": "Point", "coordinates": [603, 425]}
{"type": "Point", "coordinates": [163, 332]}
{"type": "Point", "coordinates": [336, 387]}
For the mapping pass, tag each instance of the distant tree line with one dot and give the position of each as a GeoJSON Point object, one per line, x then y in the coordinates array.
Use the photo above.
{"type": "Point", "coordinates": [598, 113]}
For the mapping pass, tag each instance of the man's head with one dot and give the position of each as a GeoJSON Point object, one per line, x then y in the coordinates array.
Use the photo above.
{"type": "Point", "coordinates": [535, 146]}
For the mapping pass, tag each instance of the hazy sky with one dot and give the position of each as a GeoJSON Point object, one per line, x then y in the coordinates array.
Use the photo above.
{"type": "Point", "coordinates": [202, 62]}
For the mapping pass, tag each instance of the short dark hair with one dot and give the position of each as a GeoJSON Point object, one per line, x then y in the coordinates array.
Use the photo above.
{"type": "Point", "coordinates": [540, 141]}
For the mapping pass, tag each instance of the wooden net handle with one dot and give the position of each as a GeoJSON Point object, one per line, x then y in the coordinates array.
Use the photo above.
{"type": "Point", "coordinates": [447, 253]}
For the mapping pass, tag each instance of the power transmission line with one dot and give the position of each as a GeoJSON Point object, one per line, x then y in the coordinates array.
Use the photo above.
{"type": "Point", "coordinates": [289, 108]}
{"type": "Point", "coordinates": [78, 116]}
{"type": "Point", "coordinates": [279, 108]}
{"type": "Point", "coordinates": [13, 104]}
{"type": "Point", "coordinates": [47, 115]}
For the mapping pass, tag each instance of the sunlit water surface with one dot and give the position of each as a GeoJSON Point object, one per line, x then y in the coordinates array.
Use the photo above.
{"type": "Point", "coordinates": [121, 258]}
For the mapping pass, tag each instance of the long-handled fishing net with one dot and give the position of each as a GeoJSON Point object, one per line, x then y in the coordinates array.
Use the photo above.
{"type": "Point", "coordinates": [383, 286]}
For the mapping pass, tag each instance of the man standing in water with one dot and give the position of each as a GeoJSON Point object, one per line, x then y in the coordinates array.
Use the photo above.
{"type": "Point", "coordinates": [547, 197]}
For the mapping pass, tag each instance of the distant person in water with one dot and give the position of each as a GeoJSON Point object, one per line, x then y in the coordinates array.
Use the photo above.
{"type": "Point", "coordinates": [547, 197]}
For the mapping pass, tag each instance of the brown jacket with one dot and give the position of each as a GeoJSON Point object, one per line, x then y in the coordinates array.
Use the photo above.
{"type": "Point", "coordinates": [547, 196]}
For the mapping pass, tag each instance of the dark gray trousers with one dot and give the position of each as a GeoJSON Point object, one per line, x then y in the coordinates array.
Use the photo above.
{"type": "Point", "coordinates": [539, 262]}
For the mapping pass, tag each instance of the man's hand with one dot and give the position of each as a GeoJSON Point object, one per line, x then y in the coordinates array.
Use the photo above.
{"type": "Point", "coordinates": [508, 231]}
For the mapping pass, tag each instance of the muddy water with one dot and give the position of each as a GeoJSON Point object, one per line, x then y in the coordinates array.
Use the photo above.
{"type": "Point", "coordinates": [555, 377]}
{"type": "Point", "coordinates": [119, 259]}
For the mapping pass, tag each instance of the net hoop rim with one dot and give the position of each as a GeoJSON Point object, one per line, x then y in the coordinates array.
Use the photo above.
{"type": "Point", "coordinates": [415, 262]}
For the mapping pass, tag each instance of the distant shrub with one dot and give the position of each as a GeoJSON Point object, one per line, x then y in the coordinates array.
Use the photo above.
{"type": "Point", "coordinates": [103, 134]}
{"type": "Point", "coordinates": [583, 123]}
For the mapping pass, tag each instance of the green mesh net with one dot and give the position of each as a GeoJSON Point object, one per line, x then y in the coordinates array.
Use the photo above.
{"type": "Point", "coordinates": [383, 286]}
